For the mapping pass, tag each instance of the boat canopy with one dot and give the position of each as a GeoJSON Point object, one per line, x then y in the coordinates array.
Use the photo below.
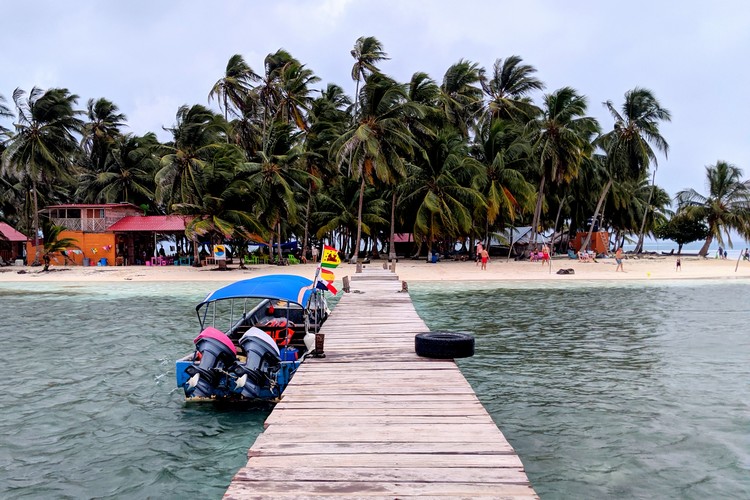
{"type": "Point", "coordinates": [289, 287]}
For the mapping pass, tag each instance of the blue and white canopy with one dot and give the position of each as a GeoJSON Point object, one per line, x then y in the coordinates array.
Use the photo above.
{"type": "Point", "coordinates": [289, 287]}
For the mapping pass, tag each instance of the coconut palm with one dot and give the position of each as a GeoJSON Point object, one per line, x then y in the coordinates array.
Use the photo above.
{"type": "Point", "coordinates": [101, 130]}
{"type": "Point", "coordinates": [54, 244]}
{"type": "Point", "coordinates": [460, 97]}
{"type": "Point", "coordinates": [276, 178]}
{"type": "Point", "coordinates": [367, 52]}
{"type": "Point", "coordinates": [563, 139]}
{"type": "Point", "coordinates": [376, 146]}
{"type": "Point", "coordinates": [725, 208]}
{"type": "Point", "coordinates": [635, 134]}
{"type": "Point", "coordinates": [233, 88]}
{"type": "Point", "coordinates": [508, 90]}
{"type": "Point", "coordinates": [43, 143]}
{"type": "Point", "coordinates": [196, 135]}
{"type": "Point", "coordinates": [128, 174]}
{"type": "Point", "coordinates": [4, 113]}
{"type": "Point", "coordinates": [505, 153]}
{"type": "Point", "coordinates": [444, 190]}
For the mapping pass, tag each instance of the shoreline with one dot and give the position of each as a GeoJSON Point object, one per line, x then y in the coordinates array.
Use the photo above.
{"type": "Point", "coordinates": [643, 268]}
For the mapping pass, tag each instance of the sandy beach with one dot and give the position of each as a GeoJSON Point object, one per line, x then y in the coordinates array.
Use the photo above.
{"type": "Point", "coordinates": [499, 269]}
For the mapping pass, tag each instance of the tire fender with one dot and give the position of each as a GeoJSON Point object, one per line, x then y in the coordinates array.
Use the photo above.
{"type": "Point", "coordinates": [444, 345]}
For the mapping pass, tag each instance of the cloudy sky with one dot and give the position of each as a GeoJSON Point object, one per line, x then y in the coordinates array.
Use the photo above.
{"type": "Point", "coordinates": [150, 57]}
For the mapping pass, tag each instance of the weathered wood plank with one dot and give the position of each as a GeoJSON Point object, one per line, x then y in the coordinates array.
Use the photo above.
{"type": "Point", "coordinates": [388, 474]}
{"type": "Point", "coordinates": [388, 460]}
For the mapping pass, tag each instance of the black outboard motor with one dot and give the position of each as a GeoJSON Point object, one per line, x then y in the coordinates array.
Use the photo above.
{"type": "Point", "coordinates": [216, 353]}
{"type": "Point", "coordinates": [262, 365]}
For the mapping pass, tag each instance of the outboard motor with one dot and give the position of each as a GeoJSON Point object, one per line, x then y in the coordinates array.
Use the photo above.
{"type": "Point", "coordinates": [262, 365]}
{"type": "Point", "coordinates": [216, 353]}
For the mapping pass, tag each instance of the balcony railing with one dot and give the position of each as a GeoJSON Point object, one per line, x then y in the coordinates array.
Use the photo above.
{"type": "Point", "coordinates": [86, 225]}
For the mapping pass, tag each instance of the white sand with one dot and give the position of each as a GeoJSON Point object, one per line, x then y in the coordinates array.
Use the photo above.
{"type": "Point", "coordinates": [499, 269]}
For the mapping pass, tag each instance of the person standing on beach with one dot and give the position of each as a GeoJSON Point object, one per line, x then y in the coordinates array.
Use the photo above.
{"type": "Point", "coordinates": [314, 254]}
{"type": "Point", "coordinates": [678, 265]}
{"type": "Point", "coordinates": [485, 257]}
{"type": "Point", "coordinates": [618, 259]}
{"type": "Point", "coordinates": [480, 249]}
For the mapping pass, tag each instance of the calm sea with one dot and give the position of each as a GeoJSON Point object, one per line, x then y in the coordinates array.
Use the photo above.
{"type": "Point", "coordinates": [626, 391]}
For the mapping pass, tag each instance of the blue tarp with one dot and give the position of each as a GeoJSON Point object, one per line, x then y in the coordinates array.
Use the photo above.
{"type": "Point", "coordinates": [296, 289]}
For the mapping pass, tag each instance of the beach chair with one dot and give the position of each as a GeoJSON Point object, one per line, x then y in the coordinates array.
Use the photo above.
{"type": "Point", "coordinates": [292, 259]}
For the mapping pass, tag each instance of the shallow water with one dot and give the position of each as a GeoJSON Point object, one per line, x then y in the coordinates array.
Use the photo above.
{"type": "Point", "coordinates": [612, 391]}
{"type": "Point", "coordinates": [627, 391]}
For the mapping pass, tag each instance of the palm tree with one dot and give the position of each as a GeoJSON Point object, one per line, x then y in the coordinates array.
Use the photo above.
{"type": "Point", "coordinates": [128, 174]}
{"type": "Point", "coordinates": [276, 178]}
{"type": "Point", "coordinates": [505, 152]}
{"type": "Point", "coordinates": [43, 143]}
{"type": "Point", "coordinates": [444, 190]}
{"type": "Point", "coordinates": [54, 244]}
{"type": "Point", "coordinates": [4, 113]}
{"type": "Point", "coordinates": [367, 52]}
{"type": "Point", "coordinates": [196, 135]}
{"type": "Point", "coordinates": [725, 208]}
{"type": "Point", "coordinates": [375, 147]}
{"type": "Point", "coordinates": [233, 88]}
{"type": "Point", "coordinates": [636, 130]}
{"type": "Point", "coordinates": [508, 90]}
{"type": "Point", "coordinates": [101, 130]}
{"type": "Point", "coordinates": [564, 134]}
{"type": "Point", "coordinates": [460, 98]}
{"type": "Point", "coordinates": [222, 211]}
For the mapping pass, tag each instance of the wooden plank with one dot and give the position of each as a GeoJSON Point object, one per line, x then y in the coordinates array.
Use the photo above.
{"type": "Point", "coordinates": [272, 448]}
{"type": "Point", "coordinates": [369, 474]}
{"type": "Point", "coordinates": [381, 460]}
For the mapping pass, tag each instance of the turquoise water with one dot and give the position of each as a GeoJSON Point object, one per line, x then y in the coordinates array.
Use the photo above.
{"type": "Point", "coordinates": [612, 391]}
{"type": "Point", "coordinates": [626, 391]}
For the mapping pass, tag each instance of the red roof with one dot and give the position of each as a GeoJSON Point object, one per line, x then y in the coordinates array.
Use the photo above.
{"type": "Point", "coordinates": [402, 238]}
{"type": "Point", "coordinates": [10, 233]}
{"type": "Point", "coordinates": [94, 205]}
{"type": "Point", "coordinates": [152, 223]}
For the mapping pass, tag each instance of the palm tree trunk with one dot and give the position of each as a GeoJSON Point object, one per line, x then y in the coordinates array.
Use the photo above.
{"type": "Point", "coordinates": [196, 254]}
{"type": "Point", "coordinates": [355, 250]}
{"type": "Point", "coordinates": [278, 231]}
{"type": "Point", "coordinates": [599, 204]}
{"type": "Point", "coordinates": [36, 225]}
{"type": "Point", "coordinates": [557, 219]}
{"type": "Point", "coordinates": [639, 245]}
{"type": "Point", "coordinates": [537, 211]}
{"type": "Point", "coordinates": [307, 220]}
{"type": "Point", "coordinates": [704, 249]}
{"type": "Point", "coordinates": [391, 246]}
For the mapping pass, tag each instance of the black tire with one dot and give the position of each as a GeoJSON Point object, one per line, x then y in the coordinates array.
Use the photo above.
{"type": "Point", "coordinates": [444, 345]}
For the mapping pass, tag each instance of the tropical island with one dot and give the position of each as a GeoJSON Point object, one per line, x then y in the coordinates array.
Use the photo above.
{"type": "Point", "coordinates": [448, 162]}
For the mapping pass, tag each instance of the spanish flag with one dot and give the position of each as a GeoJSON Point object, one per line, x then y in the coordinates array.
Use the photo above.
{"type": "Point", "coordinates": [327, 275]}
{"type": "Point", "coordinates": [330, 257]}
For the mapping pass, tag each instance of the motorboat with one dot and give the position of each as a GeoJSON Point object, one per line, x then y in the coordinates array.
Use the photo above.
{"type": "Point", "coordinates": [254, 334]}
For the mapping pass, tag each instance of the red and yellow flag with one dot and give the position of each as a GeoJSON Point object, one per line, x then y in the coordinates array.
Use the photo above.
{"type": "Point", "coordinates": [327, 275]}
{"type": "Point", "coordinates": [330, 257]}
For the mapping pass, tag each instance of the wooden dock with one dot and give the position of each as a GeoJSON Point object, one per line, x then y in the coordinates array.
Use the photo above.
{"type": "Point", "coordinates": [375, 420]}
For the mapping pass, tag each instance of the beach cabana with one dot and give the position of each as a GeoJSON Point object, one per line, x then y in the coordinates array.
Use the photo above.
{"type": "Point", "coordinates": [11, 243]}
{"type": "Point", "coordinates": [136, 237]}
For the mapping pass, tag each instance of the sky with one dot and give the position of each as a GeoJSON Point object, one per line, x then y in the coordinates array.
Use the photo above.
{"type": "Point", "coordinates": [150, 57]}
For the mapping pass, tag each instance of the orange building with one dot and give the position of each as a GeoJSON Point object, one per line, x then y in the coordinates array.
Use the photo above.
{"type": "Point", "coordinates": [599, 241]}
{"type": "Point", "coordinates": [108, 234]}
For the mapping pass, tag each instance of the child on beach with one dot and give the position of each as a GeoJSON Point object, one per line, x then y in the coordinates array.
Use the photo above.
{"type": "Point", "coordinates": [618, 259]}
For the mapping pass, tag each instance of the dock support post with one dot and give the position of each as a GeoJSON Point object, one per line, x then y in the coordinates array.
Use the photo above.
{"type": "Point", "coordinates": [359, 267]}
{"type": "Point", "coordinates": [404, 286]}
{"type": "Point", "coordinates": [385, 266]}
{"type": "Point", "coordinates": [345, 279]}
{"type": "Point", "coordinates": [393, 266]}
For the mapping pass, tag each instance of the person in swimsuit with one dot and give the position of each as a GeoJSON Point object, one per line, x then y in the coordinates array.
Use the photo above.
{"type": "Point", "coordinates": [618, 259]}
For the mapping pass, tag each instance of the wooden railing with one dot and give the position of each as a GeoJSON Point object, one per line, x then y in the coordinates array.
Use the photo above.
{"type": "Point", "coordinates": [86, 225]}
